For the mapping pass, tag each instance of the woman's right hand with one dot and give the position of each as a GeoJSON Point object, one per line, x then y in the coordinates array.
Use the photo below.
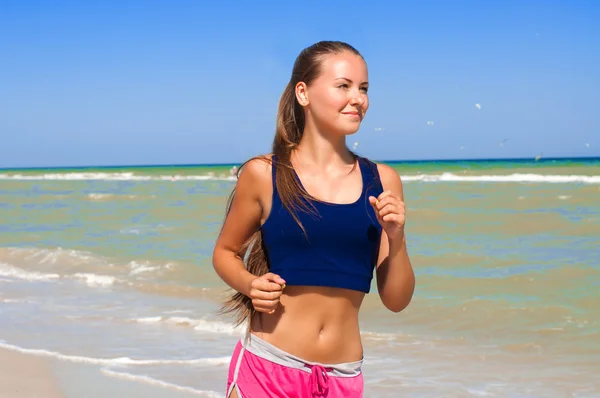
{"type": "Point", "coordinates": [265, 291]}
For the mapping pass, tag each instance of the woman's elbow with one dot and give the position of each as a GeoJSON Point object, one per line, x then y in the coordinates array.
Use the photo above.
{"type": "Point", "coordinates": [218, 254]}
{"type": "Point", "coordinates": [398, 306]}
{"type": "Point", "coordinates": [397, 303]}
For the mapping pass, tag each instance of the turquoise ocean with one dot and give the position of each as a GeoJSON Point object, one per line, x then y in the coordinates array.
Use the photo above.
{"type": "Point", "coordinates": [107, 272]}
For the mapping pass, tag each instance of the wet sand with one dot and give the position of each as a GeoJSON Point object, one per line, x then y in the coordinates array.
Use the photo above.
{"type": "Point", "coordinates": [26, 376]}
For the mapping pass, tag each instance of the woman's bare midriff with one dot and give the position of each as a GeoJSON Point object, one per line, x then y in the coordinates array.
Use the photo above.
{"type": "Point", "coordinates": [317, 324]}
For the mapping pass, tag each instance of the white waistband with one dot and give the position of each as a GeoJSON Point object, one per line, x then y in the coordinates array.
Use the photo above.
{"type": "Point", "coordinates": [268, 351]}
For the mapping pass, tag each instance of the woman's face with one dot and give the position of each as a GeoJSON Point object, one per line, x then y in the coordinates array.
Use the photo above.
{"type": "Point", "coordinates": [336, 101]}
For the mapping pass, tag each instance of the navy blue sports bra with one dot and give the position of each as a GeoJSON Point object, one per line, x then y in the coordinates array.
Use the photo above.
{"type": "Point", "coordinates": [341, 244]}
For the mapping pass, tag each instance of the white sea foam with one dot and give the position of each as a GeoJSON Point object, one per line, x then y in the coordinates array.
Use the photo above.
{"type": "Point", "coordinates": [51, 256]}
{"type": "Point", "coordinates": [178, 312]}
{"type": "Point", "coordinates": [160, 383]}
{"type": "Point", "coordinates": [444, 177]}
{"type": "Point", "coordinates": [141, 229]}
{"type": "Point", "coordinates": [59, 264]}
{"type": "Point", "coordinates": [217, 361]}
{"type": "Point", "coordinates": [109, 196]}
{"type": "Point", "coordinates": [100, 196]}
{"type": "Point", "coordinates": [109, 177]}
{"type": "Point", "coordinates": [379, 336]}
{"type": "Point", "coordinates": [7, 270]}
{"type": "Point", "coordinates": [145, 267]}
{"type": "Point", "coordinates": [201, 325]}
{"type": "Point", "coordinates": [216, 327]}
{"type": "Point", "coordinates": [517, 177]}
{"type": "Point", "coordinates": [95, 280]}
{"type": "Point", "coordinates": [149, 319]}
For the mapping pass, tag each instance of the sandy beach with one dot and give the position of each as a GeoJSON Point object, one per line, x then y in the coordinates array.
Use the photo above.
{"type": "Point", "coordinates": [26, 376]}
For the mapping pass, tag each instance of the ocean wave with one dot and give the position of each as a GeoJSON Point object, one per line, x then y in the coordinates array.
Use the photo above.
{"type": "Point", "coordinates": [200, 325]}
{"type": "Point", "coordinates": [443, 177]}
{"type": "Point", "coordinates": [516, 177]}
{"type": "Point", "coordinates": [95, 280]}
{"type": "Point", "coordinates": [140, 268]}
{"type": "Point", "coordinates": [58, 265]}
{"type": "Point", "coordinates": [160, 383]}
{"type": "Point", "coordinates": [145, 229]}
{"type": "Point", "coordinates": [96, 196]}
{"type": "Point", "coordinates": [50, 256]}
{"type": "Point", "coordinates": [10, 271]}
{"type": "Point", "coordinates": [215, 361]}
{"type": "Point", "coordinates": [378, 336]}
{"type": "Point", "coordinates": [7, 270]}
{"type": "Point", "coordinates": [53, 264]}
{"type": "Point", "coordinates": [112, 177]}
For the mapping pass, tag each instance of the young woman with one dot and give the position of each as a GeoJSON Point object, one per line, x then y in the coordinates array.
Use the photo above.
{"type": "Point", "coordinates": [304, 230]}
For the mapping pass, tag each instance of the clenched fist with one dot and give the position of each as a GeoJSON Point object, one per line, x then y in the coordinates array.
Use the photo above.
{"type": "Point", "coordinates": [265, 292]}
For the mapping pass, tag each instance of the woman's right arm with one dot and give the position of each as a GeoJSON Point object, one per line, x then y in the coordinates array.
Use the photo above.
{"type": "Point", "coordinates": [243, 220]}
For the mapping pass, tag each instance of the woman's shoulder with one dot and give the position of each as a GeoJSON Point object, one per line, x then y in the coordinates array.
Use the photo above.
{"type": "Point", "coordinates": [256, 169]}
{"type": "Point", "coordinates": [387, 174]}
{"type": "Point", "coordinates": [382, 168]}
{"type": "Point", "coordinates": [259, 163]}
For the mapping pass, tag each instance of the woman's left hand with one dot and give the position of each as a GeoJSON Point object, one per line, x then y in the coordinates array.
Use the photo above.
{"type": "Point", "coordinates": [390, 213]}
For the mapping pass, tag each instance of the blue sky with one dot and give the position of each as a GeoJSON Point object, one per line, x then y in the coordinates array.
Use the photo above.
{"type": "Point", "coordinates": [163, 82]}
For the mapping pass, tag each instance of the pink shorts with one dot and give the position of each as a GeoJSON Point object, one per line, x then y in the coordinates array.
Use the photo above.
{"type": "Point", "coordinates": [261, 370]}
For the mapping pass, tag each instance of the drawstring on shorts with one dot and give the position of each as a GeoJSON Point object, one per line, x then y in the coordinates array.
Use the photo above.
{"type": "Point", "coordinates": [319, 379]}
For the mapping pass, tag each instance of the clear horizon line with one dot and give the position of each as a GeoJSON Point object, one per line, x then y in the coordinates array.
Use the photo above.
{"type": "Point", "coordinates": [189, 165]}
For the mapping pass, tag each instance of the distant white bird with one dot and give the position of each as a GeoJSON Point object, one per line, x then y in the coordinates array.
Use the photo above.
{"type": "Point", "coordinates": [538, 157]}
{"type": "Point", "coordinates": [587, 145]}
{"type": "Point", "coordinates": [430, 123]}
{"type": "Point", "coordinates": [378, 128]}
{"type": "Point", "coordinates": [478, 106]}
{"type": "Point", "coordinates": [354, 146]}
{"type": "Point", "coordinates": [462, 147]}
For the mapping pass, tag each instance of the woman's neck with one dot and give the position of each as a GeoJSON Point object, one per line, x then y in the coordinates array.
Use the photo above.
{"type": "Point", "coordinates": [323, 151]}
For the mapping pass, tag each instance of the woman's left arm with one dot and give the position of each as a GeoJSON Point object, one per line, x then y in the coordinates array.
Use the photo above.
{"type": "Point", "coordinates": [395, 275]}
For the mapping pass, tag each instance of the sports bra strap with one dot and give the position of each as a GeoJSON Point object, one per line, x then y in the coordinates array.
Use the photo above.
{"type": "Point", "coordinates": [370, 175]}
{"type": "Point", "coordinates": [273, 168]}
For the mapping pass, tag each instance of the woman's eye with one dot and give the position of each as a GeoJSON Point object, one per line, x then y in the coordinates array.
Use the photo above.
{"type": "Point", "coordinates": [364, 89]}
{"type": "Point", "coordinates": [343, 85]}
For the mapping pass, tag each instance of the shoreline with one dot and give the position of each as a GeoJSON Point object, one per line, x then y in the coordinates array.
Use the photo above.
{"type": "Point", "coordinates": [26, 376]}
{"type": "Point", "coordinates": [31, 376]}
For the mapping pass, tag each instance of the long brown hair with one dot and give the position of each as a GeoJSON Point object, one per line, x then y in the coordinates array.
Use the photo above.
{"type": "Point", "coordinates": [288, 133]}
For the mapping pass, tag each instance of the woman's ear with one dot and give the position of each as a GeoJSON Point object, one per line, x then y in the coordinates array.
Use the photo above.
{"type": "Point", "coordinates": [302, 93]}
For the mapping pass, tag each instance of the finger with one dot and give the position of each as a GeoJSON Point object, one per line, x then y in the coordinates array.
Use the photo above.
{"type": "Point", "coordinates": [265, 286]}
{"type": "Point", "coordinates": [269, 304]}
{"type": "Point", "coordinates": [387, 200]}
{"type": "Point", "coordinates": [388, 209]}
{"type": "Point", "coordinates": [376, 202]}
{"type": "Point", "coordinates": [392, 209]}
{"type": "Point", "coordinates": [274, 278]}
{"type": "Point", "coordinates": [384, 194]}
{"type": "Point", "coordinates": [265, 310]}
{"type": "Point", "coordinates": [392, 217]}
{"type": "Point", "coordinates": [262, 295]}
{"type": "Point", "coordinates": [264, 305]}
